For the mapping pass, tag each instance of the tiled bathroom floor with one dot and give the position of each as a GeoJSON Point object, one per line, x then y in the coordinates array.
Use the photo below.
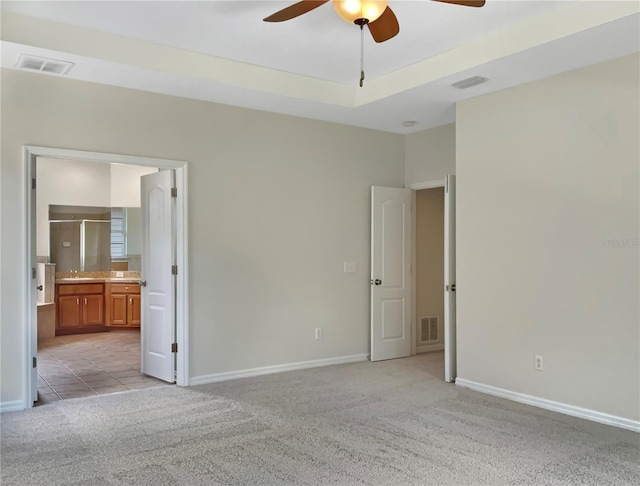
{"type": "Point", "coordinates": [83, 365]}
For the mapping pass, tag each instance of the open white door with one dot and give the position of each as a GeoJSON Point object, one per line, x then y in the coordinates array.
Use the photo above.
{"type": "Point", "coordinates": [158, 320]}
{"type": "Point", "coordinates": [390, 273]}
{"type": "Point", "coordinates": [450, 279]}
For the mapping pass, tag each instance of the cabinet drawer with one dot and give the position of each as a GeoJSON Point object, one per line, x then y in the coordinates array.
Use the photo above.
{"type": "Point", "coordinates": [125, 288]}
{"type": "Point", "coordinates": [75, 289]}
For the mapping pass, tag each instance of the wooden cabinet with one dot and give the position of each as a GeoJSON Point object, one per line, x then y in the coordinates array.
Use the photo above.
{"type": "Point", "coordinates": [123, 304]}
{"type": "Point", "coordinates": [80, 308]}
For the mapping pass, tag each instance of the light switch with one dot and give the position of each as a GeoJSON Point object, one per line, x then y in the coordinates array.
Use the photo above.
{"type": "Point", "coordinates": [350, 267]}
{"type": "Point", "coordinates": [66, 244]}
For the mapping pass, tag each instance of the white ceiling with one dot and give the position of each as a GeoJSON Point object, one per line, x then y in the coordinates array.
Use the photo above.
{"type": "Point", "coordinates": [221, 51]}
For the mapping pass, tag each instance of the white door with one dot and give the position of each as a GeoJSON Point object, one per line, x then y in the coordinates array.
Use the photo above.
{"type": "Point", "coordinates": [158, 329]}
{"type": "Point", "coordinates": [450, 279]}
{"type": "Point", "coordinates": [390, 273]}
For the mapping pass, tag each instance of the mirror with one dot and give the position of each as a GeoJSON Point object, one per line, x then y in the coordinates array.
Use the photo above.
{"type": "Point", "coordinates": [93, 239]}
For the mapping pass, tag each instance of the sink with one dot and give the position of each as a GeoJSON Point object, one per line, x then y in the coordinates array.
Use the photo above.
{"type": "Point", "coordinates": [79, 279]}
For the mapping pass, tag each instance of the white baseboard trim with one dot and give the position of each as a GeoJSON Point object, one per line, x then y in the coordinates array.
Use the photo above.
{"type": "Point", "coordinates": [11, 406]}
{"type": "Point", "coordinates": [583, 413]}
{"type": "Point", "coordinates": [267, 370]}
{"type": "Point", "coordinates": [428, 348]}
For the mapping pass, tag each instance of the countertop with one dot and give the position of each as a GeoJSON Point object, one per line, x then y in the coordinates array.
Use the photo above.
{"type": "Point", "coordinates": [71, 280]}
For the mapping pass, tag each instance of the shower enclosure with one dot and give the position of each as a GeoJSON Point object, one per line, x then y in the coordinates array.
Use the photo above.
{"type": "Point", "coordinates": [80, 245]}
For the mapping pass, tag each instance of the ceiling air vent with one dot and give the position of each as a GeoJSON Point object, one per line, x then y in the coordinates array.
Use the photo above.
{"type": "Point", "coordinates": [43, 64]}
{"type": "Point", "coordinates": [469, 82]}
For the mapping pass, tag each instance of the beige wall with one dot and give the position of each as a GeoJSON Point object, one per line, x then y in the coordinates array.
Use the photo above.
{"type": "Point", "coordinates": [546, 172]}
{"type": "Point", "coordinates": [276, 205]}
{"type": "Point", "coordinates": [430, 155]}
{"type": "Point", "coordinates": [430, 259]}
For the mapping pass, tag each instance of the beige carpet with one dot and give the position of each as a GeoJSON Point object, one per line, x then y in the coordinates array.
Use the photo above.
{"type": "Point", "coordinates": [386, 423]}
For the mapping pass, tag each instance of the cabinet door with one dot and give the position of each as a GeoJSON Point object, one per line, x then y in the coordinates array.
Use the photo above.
{"type": "Point", "coordinates": [133, 310]}
{"type": "Point", "coordinates": [118, 310]}
{"type": "Point", "coordinates": [93, 310]}
{"type": "Point", "coordinates": [69, 314]}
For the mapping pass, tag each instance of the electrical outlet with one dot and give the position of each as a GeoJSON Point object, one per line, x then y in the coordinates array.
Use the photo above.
{"type": "Point", "coordinates": [119, 274]}
{"type": "Point", "coordinates": [539, 363]}
{"type": "Point", "coordinates": [318, 333]}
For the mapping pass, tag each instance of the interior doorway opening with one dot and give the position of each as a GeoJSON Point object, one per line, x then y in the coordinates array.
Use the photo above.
{"type": "Point", "coordinates": [429, 276]}
{"type": "Point", "coordinates": [113, 358]}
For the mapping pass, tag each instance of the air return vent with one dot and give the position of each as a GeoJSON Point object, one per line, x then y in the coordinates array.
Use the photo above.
{"type": "Point", "coordinates": [469, 82]}
{"type": "Point", "coordinates": [429, 329]}
{"type": "Point", "coordinates": [43, 64]}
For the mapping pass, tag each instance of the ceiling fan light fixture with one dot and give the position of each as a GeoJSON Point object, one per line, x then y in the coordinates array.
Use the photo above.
{"type": "Point", "coordinates": [353, 10]}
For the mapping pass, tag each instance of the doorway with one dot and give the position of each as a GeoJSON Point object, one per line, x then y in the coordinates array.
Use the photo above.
{"type": "Point", "coordinates": [429, 276]}
{"type": "Point", "coordinates": [35, 250]}
{"type": "Point", "coordinates": [393, 280]}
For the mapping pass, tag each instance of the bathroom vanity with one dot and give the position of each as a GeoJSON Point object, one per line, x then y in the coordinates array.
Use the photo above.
{"type": "Point", "coordinates": [87, 305]}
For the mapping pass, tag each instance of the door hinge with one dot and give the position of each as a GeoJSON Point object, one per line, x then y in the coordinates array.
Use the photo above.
{"type": "Point", "coordinates": [33, 273]}
{"type": "Point", "coordinates": [174, 347]}
{"type": "Point", "coordinates": [35, 362]}
{"type": "Point", "coordinates": [174, 192]}
{"type": "Point", "coordinates": [174, 269]}
{"type": "Point", "coordinates": [33, 183]}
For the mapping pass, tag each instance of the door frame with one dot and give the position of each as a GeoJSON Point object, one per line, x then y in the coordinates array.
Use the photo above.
{"type": "Point", "coordinates": [29, 324]}
{"type": "Point", "coordinates": [419, 186]}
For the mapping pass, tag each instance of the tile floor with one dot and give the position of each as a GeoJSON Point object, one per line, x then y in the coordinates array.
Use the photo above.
{"type": "Point", "coordinates": [83, 365]}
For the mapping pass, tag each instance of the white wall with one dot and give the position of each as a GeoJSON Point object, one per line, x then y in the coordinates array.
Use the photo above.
{"type": "Point", "coordinates": [546, 172]}
{"type": "Point", "coordinates": [276, 205]}
{"type": "Point", "coordinates": [68, 182]}
{"type": "Point", "coordinates": [430, 155]}
{"type": "Point", "coordinates": [125, 184]}
{"type": "Point", "coordinates": [83, 183]}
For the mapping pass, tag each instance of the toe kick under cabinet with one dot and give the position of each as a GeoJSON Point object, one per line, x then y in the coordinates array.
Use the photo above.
{"type": "Point", "coordinates": [123, 305]}
{"type": "Point", "coordinates": [80, 308]}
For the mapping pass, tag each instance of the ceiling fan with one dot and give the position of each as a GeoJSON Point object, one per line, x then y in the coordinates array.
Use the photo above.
{"type": "Point", "coordinates": [376, 14]}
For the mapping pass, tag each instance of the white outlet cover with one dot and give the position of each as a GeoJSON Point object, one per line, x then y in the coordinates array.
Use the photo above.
{"type": "Point", "coordinates": [350, 267]}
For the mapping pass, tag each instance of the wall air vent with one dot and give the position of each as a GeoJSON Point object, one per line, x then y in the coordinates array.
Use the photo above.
{"type": "Point", "coordinates": [43, 64]}
{"type": "Point", "coordinates": [469, 82]}
{"type": "Point", "coordinates": [428, 329]}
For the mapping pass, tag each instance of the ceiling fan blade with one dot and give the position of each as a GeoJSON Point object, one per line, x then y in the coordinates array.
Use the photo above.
{"type": "Point", "coordinates": [384, 27]}
{"type": "Point", "coordinates": [295, 10]}
{"type": "Point", "coordinates": [465, 3]}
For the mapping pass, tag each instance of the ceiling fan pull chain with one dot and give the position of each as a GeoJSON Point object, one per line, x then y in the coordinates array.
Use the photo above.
{"type": "Point", "coordinates": [361, 55]}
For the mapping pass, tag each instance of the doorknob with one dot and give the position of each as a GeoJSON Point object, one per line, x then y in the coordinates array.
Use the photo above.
{"type": "Point", "coordinates": [453, 287]}
{"type": "Point", "coordinates": [143, 283]}
{"type": "Point", "coordinates": [378, 281]}
{"type": "Point", "coordinates": [39, 287]}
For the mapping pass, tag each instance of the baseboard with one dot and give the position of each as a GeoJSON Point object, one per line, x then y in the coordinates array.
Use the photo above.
{"type": "Point", "coordinates": [429, 348]}
{"type": "Point", "coordinates": [11, 406]}
{"type": "Point", "coordinates": [583, 413]}
{"type": "Point", "coordinates": [267, 370]}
